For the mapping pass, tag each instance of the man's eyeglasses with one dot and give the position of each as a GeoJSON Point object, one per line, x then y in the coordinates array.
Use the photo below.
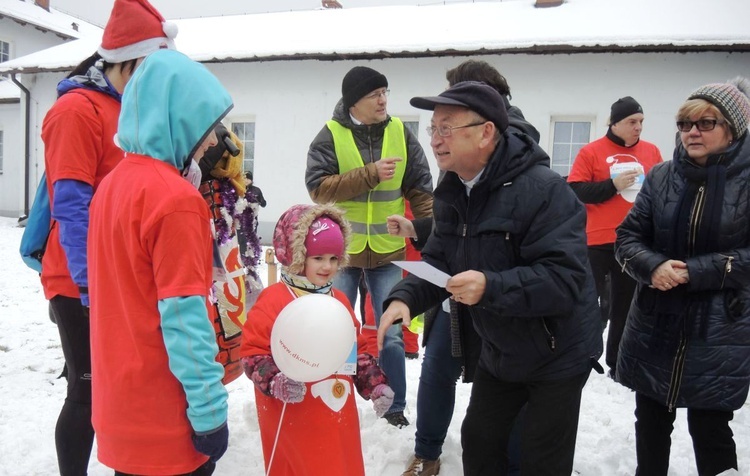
{"type": "Point", "coordinates": [446, 131]}
{"type": "Point", "coordinates": [703, 125]}
{"type": "Point", "coordinates": [377, 94]}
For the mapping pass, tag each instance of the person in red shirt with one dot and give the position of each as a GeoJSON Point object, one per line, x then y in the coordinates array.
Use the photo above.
{"type": "Point", "coordinates": [606, 176]}
{"type": "Point", "coordinates": [78, 153]}
{"type": "Point", "coordinates": [159, 405]}
{"type": "Point", "coordinates": [319, 432]}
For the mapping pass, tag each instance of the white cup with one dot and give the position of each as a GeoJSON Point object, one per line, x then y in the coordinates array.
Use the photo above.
{"type": "Point", "coordinates": [631, 192]}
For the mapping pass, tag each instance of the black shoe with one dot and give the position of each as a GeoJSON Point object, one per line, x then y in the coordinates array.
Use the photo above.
{"type": "Point", "coordinates": [397, 419]}
{"type": "Point", "coordinates": [411, 355]}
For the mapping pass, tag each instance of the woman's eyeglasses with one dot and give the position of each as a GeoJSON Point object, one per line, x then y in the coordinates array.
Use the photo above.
{"type": "Point", "coordinates": [703, 125]}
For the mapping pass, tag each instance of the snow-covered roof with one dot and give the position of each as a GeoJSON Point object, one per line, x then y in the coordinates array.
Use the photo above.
{"type": "Point", "coordinates": [9, 92]}
{"type": "Point", "coordinates": [455, 29]}
{"type": "Point", "coordinates": [62, 24]}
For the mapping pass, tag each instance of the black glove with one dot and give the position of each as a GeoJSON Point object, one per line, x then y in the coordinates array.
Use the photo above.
{"type": "Point", "coordinates": [213, 443]}
{"type": "Point", "coordinates": [213, 154]}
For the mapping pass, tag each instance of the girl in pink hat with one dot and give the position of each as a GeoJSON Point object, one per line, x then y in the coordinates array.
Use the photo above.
{"type": "Point", "coordinates": [320, 434]}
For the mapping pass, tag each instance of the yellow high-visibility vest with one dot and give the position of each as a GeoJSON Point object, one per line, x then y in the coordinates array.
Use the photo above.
{"type": "Point", "coordinates": [367, 212]}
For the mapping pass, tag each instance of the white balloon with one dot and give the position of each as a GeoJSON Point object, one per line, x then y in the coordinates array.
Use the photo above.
{"type": "Point", "coordinates": [312, 337]}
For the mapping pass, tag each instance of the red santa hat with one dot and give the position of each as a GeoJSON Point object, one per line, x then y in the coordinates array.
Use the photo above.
{"type": "Point", "coordinates": [135, 29]}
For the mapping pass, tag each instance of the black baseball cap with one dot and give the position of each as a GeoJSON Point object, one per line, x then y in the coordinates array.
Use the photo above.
{"type": "Point", "coordinates": [475, 95]}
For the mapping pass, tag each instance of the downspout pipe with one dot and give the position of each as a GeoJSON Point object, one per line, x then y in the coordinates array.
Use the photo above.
{"type": "Point", "coordinates": [26, 142]}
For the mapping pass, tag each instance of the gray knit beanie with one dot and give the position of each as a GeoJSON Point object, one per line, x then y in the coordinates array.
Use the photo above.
{"type": "Point", "coordinates": [731, 98]}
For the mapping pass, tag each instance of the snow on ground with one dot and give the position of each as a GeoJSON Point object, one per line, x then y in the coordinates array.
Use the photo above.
{"type": "Point", "coordinates": [31, 396]}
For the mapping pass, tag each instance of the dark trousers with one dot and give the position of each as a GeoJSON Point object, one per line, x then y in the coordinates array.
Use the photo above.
{"type": "Point", "coordinates": [436, 396]}
{"type": "Point", "coordinates": [548, 432]}
{"type": "Point", "coordinates": [74, 434]}
{"type": "Point", "coordinates": [206, 469]}
{"type": "Point", "coordinates": [713, 442]}
{"type": "Point", "coordinates": [615, 289]}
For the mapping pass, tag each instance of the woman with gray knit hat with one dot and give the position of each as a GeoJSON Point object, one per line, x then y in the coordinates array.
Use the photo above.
{"type": "Point", "coordinates": [687, 243]}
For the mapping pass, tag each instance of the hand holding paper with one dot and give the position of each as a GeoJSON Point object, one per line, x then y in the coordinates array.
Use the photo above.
{"type": "Point", "coordinates": [467, 287]}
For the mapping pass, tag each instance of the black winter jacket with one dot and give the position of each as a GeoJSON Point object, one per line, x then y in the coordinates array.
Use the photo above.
{"type": "Point", "coordinates": [711, 353]}
{"type": "Point", "coordinates": [524, 228]}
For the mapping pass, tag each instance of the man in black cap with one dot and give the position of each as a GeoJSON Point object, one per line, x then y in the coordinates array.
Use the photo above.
{"type": "Point", "coordinates": [368, 163]}
{"type": "Point", "coordinates": [510, 234]}
{"type": "Point", "coordinates": [606, 176]}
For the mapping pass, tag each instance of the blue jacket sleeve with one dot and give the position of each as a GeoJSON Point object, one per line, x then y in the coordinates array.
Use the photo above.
{"type": "Point", "coordinates": [191, 347]}
{"type": "Point", "coordinates": [70, 208]}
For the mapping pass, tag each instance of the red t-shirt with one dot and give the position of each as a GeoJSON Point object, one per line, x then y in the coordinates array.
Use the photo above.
{"type": "Point", "coordinates": [316, 437]}
{"type": "Point", "coordinates": [78, 134]}
{"type": "Point", "coordinates": [149, 239]}
{"type": "Point", "coordinates": [593, 164]}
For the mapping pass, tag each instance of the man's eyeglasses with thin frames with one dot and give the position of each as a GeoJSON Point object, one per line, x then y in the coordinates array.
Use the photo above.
{"type": "Point", "coordinates": [446, 131]}
{"type": "Point", "coordinates": [377, 94]}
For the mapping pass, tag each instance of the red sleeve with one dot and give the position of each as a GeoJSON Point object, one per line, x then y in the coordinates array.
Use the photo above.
{"type": "Point", "coordinates": [72, 135]}
{"type": "Point", "coordinates": [180, 248]}
{"type": "Point", "coordinates": [582, 170]}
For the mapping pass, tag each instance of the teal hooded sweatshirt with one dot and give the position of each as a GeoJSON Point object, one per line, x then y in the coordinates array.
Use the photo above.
{"type": "Point", "coordinates": [169, 107]}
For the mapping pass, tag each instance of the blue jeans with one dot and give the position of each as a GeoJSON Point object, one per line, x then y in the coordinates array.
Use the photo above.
{"type": "Point", "coordinates": [379, 283]}
{"type": "Point", "coordinates": [436, 395]}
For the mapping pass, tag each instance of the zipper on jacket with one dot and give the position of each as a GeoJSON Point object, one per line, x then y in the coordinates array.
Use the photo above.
{"type": "Point", "coordinates": [550, 337]}
{"type": "Point", "coordinates": [696, 215]}
{"type": "Point", "coordinates": [627, 260]}
{"type": "Point", "coordinates": [727, 268]}
{"type": "Point", "coordinates": [677, 367]}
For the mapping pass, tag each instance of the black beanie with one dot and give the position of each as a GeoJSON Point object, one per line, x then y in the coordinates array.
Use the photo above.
{"type": "Point", "coordinates": [359, 82]}
{"type": "Point", "coordinates": [623, 108]}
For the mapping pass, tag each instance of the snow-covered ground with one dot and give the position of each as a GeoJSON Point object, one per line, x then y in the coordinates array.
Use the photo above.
{"type": "Point", "coordinates": [31, 396]}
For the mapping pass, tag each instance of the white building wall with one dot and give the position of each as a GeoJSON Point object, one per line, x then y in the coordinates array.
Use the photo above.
{"type": "Point", "coordinates": [23, 40]}
{"type": "Point", "coordinates": [291, 100]}
{"type": "Point", "coordinates": [11, 195]}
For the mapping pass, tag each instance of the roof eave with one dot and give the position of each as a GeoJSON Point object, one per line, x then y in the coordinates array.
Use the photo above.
{"type": "Point", "coordinates": [535, 49]}
{"type": "Point", "coordinates": [25, 21]}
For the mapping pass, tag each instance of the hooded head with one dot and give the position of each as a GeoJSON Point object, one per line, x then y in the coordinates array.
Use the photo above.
{"type": "Point", "coordinates": [135, 29]}
{"type": "Point", "coordinates": [169, 107]}
{"type": "Point", "coordinates": [310, 230]}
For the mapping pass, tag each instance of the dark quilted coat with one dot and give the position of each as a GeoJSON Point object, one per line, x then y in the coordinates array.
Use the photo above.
{"type": "Point", "coordinates": [524, 228]}
{"type": "Point", "coordinates": [712, 348]}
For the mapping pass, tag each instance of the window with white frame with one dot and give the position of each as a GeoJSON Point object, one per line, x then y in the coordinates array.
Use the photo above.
{"type": "Point", "coordinates": [4, 51]}
{"type": "Point", "coordinates": [245, 131]}
{"type": "Point", "coordinates": [412, 125]}
{"type": "Point", "coordinates": [4, 55]}
{"type": "Point", "coordinates": [569, 135]}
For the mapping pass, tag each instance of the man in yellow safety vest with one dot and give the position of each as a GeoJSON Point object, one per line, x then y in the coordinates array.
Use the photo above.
{"type": "Point", "coordinates": [368, 163]}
